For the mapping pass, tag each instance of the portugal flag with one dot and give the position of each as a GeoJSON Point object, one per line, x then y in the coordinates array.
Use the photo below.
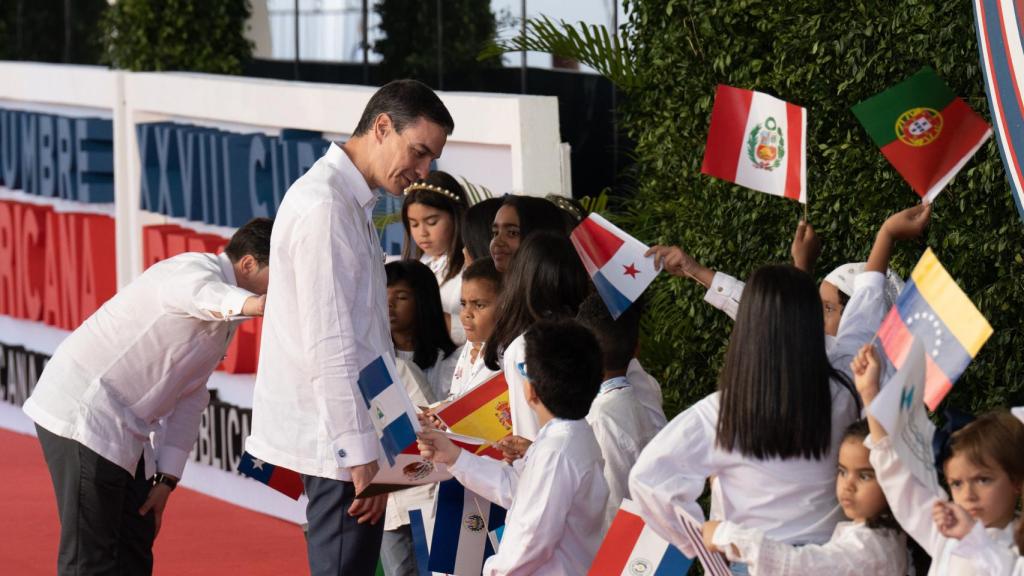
{"type": "Point", "coordinates": [757, 141]}
{"type": "Point", "coordinates": [925, 131]}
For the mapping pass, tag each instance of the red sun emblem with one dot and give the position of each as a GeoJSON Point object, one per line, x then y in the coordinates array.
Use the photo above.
{"type": "Point", "coordinates": [631, 271]}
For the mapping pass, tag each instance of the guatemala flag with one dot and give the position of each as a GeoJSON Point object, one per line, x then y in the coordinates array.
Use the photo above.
{"type": "Point", "coordinates": [391, 410]}
{"type": "Point", "coordinates": [463, 520]}
{"type": "Point", "coordinates": [615, 261]}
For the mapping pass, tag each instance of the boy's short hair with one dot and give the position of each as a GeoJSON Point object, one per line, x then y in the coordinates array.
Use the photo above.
{"type": "Point", "coordinates": [618, 337]}
{"type": "Point", "coordinates": [483, 269]}
{"type": "Point", "coordinates": [563, 363]}
{"type": "Point", "coordinates": [253, 239]}
{"type": "Point", "coordinates": [994, 439]}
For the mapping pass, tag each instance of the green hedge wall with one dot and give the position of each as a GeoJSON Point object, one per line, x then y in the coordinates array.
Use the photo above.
{"type": "Point", "coordinates": [827, 56]}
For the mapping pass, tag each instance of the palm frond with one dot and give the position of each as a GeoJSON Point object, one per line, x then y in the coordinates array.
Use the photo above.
{"type": "Point", "coordinates": [592, 45]}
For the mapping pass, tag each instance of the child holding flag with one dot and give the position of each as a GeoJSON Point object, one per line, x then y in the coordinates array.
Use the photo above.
{"type": "Point", "coordinates": [984, 470]}
{"type": "Point", "coordinates": [481, 287]}
{"type": "Point", "coordinates": [556, 493]}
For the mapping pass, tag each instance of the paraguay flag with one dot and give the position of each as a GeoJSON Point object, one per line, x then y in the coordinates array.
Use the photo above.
{"type": "Point", "coordinates": [924, 130]}
{"type": "Point", "coordinates": [391, 410]}
{"type": "Point", "coordinates": [934, 310]}
{"type": "Point", "coordinates": [462, 522]}
{"type": "Point", "coordinates": [1001, 46]}
{"type": "Point", "coordinates": [285, 481]}
{"type": "Point", "coordinates": [757, 141]}
{"type": "Point", "coordinates": [483, 412]}
{"type": "Point", "coordinates": [615, 261]}
{"type": "Point", "coordinates": [631, 548]}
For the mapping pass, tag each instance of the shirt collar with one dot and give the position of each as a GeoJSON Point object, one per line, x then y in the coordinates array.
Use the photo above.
{"type": "Point", "coordinates": [613, 384]}
{"type": "Point", "coordinates": [338, 158]}
{"type": "Point", "coordinates": [227, 268]}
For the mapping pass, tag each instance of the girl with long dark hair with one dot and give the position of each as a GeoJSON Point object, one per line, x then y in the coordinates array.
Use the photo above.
{"type": "Point", "coordinates": [518, 217]}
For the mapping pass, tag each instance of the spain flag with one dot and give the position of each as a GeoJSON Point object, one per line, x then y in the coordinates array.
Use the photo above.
{"type": "Point", "coordinates": [483, 412]}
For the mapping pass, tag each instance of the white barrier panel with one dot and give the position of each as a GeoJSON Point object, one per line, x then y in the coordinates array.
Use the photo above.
{"type": "Point", "coordinates": [506, 143]}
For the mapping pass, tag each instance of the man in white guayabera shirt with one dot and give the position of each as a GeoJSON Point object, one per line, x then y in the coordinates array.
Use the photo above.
{"type": "Point", "coordinates": [138, 366]}
{"type": "Point", "coordinates": [327, 317]}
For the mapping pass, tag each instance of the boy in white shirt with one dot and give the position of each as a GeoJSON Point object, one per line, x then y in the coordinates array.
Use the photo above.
{"type": "Point", "coordinates": [481, 286]}
{"type": "Point", "coordinates": [556, 493]}
{"type": "Point", "coordinates": [618, 419]}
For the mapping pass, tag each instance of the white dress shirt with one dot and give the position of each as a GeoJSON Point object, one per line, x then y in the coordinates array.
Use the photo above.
{"type": "Point", "coordinates": [524, 420]}
{"type": "Point", "coordinates": [468, 375]}
{"type": "Point", "coordinates": [792, 500]}
{"type": "Point", "coordinates": [451, 294]}
{"type": "Point", "coordinates": [326, 318]}
{"type": "Point", "coordinates": [648, 394]}
{"type": "Point", "coordinates": [139, 364]}
{"type": "Point", "coordinates": [853, 550]}
{"type": "Point", "coordinates": [622, 430]}
{"type": "Point", "coordinates": [990, 556]}
{"type": "Point", "coordinates": [911, 504]}
{"type": "Point", "coordinates": [555, 496]}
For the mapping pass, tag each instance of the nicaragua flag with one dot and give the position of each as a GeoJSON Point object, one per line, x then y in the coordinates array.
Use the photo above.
{"type": "Point", "coordinates": [934, 310]}
{"type": "Point", "coordinates": [631, 548]}
{"type": "Point", "coordinates": [757, 141]}
{"type": "Point", "coordinates": [391, 410]}
{"type": "Point", "coordinates": [462, 522]}
{"type": "Point", "coordinates": [285, 481]}
{"type": "Point", "coordinates": [615, 261]}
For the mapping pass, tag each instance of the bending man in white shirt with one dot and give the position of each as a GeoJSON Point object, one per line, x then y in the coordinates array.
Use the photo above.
{"type": "Point", "coordinates": [139, 366]}
{"type": "Point", "coordinates": [328, 318]}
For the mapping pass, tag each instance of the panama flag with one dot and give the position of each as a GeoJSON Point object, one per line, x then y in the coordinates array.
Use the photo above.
{"type": "Point", "coordinates": [462, 522]}
{"type": "Point", "coordinates": [934, 310]}
{"type": "Point", "coordinates": [615, 261]}
{"type": "Point", "coordinates": [391, 410]}
{"type": "Point", "coordinates": [285, 481]}
{"type": "Point", "coordinates": [758, 141]}
{"type": "Point", "coordinates": [630, 548]}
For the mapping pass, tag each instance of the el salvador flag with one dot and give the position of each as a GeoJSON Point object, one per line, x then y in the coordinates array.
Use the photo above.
{"type": "Point", "coordinates": [391, 410]}
{"type": "Point", "coordinates": [462, 523]}
{"type": "Point", "coordinates": [615, 261]}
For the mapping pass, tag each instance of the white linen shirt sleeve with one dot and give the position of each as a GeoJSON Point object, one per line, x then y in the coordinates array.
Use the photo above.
{"type": "Point", "coordinates": [910, 500]}
{"type": "Point", "coordinates": [326, 278]}
{"type": "Point", "coordinates": [862, 316]}
{"type": "Point", "coordinates": [178, 434]}
{"type": "Point", "coordinates": [620, 453]}
{"type": "Point", "coordinates": [987, 555]}
{"type": "Point", "coordinates": [855, 553]}
{"type": "Point", "coordinates": [490, 478]}
{"type": "Point", "coordinates": [725, 293]}
{"type": "Point", "coordinates": [671, 472]}
{"type": "Point", "coordinates": [202, 293]}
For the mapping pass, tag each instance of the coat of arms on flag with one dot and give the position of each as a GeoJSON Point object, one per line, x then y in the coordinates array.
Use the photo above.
{"type": "Point", "coordinates": [934, 310]}
{"type": "Point", "coordinates": [390, 408]}
{"type": "Point", "coordinates": [924, 130]}
{"type": "Point", "coordinates": [757, 141]}
{"type": "Point", "coordinates": [615, 261]}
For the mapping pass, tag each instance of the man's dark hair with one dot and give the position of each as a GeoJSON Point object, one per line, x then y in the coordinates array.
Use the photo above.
{"type": "Point", "coordinates": [476, 227]}
{"type": "Point", "coordinates": [252, 239]}
{"type": "Point", "coordinates": [405, 101]}
{"type": "Point", "coordinates": [618, 337]}
{"type": "Point", "coordinates": [563, 363]}
{"type": "Point", "coordinates": [483, 269]}
{"type": "Point", "coordinates": [431, 331]}
{"type": "Point", "coordinates": [775, 387]}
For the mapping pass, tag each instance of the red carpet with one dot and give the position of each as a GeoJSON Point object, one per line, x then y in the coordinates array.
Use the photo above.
{"type": "Point", "coordinates": [200, 535]}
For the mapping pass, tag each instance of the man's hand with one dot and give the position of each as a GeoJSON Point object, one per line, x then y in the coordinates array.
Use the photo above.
{"type": "Point", "coordinates": [437, 447]}
{"type": "Point", "coordinates": [155, 502]}
{"type": "Point", "coordinates": [368, 509]}
{"type": "Point", "coordinates": [907, 224]}
{"type": "Point", "coordinates": [513, 447]}
{"type": "Point", "coordinates": [806, 247]}
{"type": "Point", "coordinates": [951, 520]}
{"type": "Point", "coordinates": [363, 474]}
{"type": "Point", "coordinates": [254, 305]}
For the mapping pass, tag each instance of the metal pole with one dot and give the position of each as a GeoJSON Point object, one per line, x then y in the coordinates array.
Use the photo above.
{"type": "Point", "coordinates": [366, 43]}
{"type": "Point", "coordinates": [615, 107]}
{"type": "Point", "coordinates": [440, 42]}
{"type": "Point", "coordinates": [522, 33]}
{"type": "Point", "coordinates": [296, 61]}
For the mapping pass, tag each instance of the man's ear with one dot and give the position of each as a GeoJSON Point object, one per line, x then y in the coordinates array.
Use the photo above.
{"type": "Point", "coordinates": [382, 126]}
{"type": "Point", "coordinates": [249, 264]}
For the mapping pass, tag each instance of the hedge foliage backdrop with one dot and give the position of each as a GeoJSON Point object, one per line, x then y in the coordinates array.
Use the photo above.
{"type": "Point", "coordinates": [826, 56]}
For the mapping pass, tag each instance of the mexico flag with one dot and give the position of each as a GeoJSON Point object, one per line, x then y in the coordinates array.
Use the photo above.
{"type": "Point", "coordinates": [759, 142]}
{"type": "Point", "coordinates": [925, 131]}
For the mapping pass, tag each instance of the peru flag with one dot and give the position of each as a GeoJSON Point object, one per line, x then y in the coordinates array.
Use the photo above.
{"type": "Point", "coordinates": [615, 261]}
{"type": "Point", "coordinates": [759, 142]}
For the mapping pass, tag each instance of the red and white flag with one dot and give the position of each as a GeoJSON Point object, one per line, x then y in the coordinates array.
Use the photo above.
{"type": "Point", "coordinates": [759, 142]}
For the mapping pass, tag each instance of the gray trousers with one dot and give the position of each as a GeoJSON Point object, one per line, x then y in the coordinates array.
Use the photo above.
{"type": "Point", "coordinates": [397, 553]}
{"type": "Point", "coordinates": [336, 543]}
{"type": "Point", "coordinates": [101, 531]}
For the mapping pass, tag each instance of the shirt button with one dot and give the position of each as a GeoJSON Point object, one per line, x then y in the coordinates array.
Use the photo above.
{"type": "Point", "coordinates": [342, 453]}
{"type": "Point", "coordinates": [230, 312]}
{"type": "Point", "coordinates": [719, 288]}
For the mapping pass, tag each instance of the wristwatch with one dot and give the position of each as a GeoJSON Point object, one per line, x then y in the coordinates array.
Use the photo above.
{"type": "Point", "coordinates": [166, 480]}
